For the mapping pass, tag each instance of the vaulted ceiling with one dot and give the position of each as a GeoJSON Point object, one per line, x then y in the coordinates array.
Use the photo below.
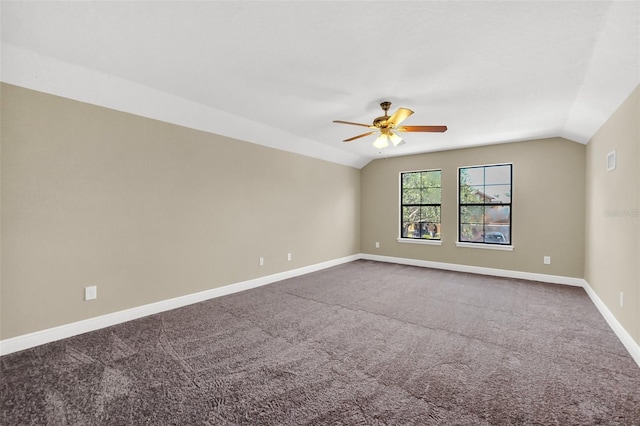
{"type": "Point", "coordinates": [277, 73]}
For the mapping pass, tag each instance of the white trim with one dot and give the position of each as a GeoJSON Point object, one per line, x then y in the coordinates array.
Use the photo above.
{"type": "Point", "coordinates": [554, 279]}
{"type": "Point", "coordinates": [632, 347]}
{"type": "Point", "coordinates": [37, 338]}
{"type": "Point", "coordinates": [420, 241]}
{"type": "Point", "coordinates": [485, 246]}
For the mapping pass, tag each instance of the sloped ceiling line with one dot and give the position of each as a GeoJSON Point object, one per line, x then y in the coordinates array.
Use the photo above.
{"type": "Point", "coordinates": [277, 73]}
{"type": "Point", "coordinates": [38, 72]}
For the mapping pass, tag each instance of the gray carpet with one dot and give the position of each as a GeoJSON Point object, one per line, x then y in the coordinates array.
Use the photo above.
{"type": "Point", "coordinates": [361, 343]}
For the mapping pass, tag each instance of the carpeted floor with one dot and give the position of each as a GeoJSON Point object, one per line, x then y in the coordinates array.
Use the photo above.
{"type": "Point", "coordinates": [361, 343]}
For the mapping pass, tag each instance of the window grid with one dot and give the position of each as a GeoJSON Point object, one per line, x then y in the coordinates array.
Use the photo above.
{"type": "Point", "coordinates": [420, 205]}
{"type": "Point", "coordinates": [484, 204]}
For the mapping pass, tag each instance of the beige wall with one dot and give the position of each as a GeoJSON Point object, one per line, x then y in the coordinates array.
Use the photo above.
{"type": "Point", "coordinates": [148, 211]}
{"type": "Point", "coordinates": [612, 255]}
{"type": "Point", "coordinates": [547, 211]}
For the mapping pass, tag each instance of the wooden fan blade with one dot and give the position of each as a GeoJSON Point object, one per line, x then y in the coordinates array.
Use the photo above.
{"type": "Point", "coordinates": [352, 123]}
{"type": "Point", "coordinates": [399, 116]}
{"type": "Point", "coordinates": [422, 129]}
{"type": "Point", "coordinates": [359, 136]}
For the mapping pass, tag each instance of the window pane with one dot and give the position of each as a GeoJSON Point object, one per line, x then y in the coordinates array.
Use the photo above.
{"type": "Point", "coordinates": [411, 180]}
{"type": "Point", "coordinates": [410, 214]}
{"type": "Point", "coordinates": [497, 224]}
{"type": "Point", "coordinates": [472, 176]}
{"type": "Point", "coordinates": [431, 196]}
{"type": "Point", "coordinates": [471, 214]}
{"type": "Point", "coordinates": [497, 175]}
{"type": "Point", "coordinates": [471, 194]}
{"type": "Point", "coordinates": [424, 230]}
{"type": "Point", "coordinates": [498, 193]}
{"type": "Point", "coordinates": [430, 214]}
{"type": "Point", "coordinates": [497, 215]}
{"type": "Point", "coordinates": [431, 231]}
{"type": "Point", "coordinates": [495, 234]}
{"type": "Point", "coordinates": [471, 233]}
{"type": "Point", "coordinates": [431, 179]}
{"type": "Point", "coordinates": [411, 196]}
{"type": "Point", "coordinates": [411, 230]}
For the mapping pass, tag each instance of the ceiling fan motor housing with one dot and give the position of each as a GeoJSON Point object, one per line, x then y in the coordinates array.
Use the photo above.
{"type": "Point", "coordinates": [381, 122]}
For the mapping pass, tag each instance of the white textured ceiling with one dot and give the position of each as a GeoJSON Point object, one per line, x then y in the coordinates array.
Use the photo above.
{"type": "Point", "coordinates": [278, 72]}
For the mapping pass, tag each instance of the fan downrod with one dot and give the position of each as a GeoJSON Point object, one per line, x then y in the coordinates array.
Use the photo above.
{"type": "Point", "coordinates": [380, 122]}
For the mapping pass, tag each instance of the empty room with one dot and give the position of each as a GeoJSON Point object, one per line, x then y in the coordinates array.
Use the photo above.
{"type": "Point", "coordinates": [320, 212]}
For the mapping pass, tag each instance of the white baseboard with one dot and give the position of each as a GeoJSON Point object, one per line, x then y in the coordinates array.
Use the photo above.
{"type": "Point", "coordinates": [623, 335]}
{"type": "Point", "coordinates": [554, 279]}
{"type": "Point", "coordinates": [37, 338]}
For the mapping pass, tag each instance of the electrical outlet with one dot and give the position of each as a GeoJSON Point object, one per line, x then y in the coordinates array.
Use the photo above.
{"type": "Point", "coordinates": [377, 244]}
{"type": "Point", "coordinates": [289, 257]}
{"type": "Point", "coordinates": [261, 262]}
{"type": "Point", "coordinates": [547, 260]}
{"type": "Point", "coordinates": [621, 299]}
{"type": "Point", "coordinates": [90, 293]}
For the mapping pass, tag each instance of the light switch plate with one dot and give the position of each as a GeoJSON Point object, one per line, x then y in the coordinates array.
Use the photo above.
{"type": "Point", "coordinates": [611, 161]}
{"type": "Point", "coordinates": [90, 293]}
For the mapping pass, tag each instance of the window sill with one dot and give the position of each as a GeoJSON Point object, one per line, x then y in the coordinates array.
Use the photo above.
{"type": "Point", "coordinates": [485, 246]}
{"type": "Point", "coordinates": [423, 241]}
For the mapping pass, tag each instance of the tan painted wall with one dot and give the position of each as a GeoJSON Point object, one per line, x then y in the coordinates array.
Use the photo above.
{"type": "Point", "coordinates": [547, 211]}
{"type": "Point", "coordinates": [612, 255]}
{"type": "Point", "coordinates": [148, 211]}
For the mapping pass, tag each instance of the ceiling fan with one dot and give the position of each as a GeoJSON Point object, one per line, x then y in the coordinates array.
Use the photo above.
{"type": "Point", "coordinates": [387, 126]}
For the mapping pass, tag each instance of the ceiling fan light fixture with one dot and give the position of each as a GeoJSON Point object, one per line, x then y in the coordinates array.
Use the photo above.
{"type": "Point", "coordinates": [395, 139]}
{"type": "Point", "coordinates": [381, 141]}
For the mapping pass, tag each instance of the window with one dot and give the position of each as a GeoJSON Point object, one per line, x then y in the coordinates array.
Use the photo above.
{"type": "Point", "coordinates": [484, 208]}
{"type": "Point", "coordinates": [420, 205]}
